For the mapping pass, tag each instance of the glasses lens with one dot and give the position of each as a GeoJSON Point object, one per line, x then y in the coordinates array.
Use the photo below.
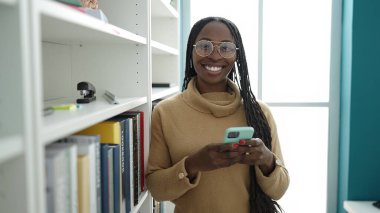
{"type": "Point", "coordinates": [227, 49]}
{"type": "Point", "coordinates": [204, 48]}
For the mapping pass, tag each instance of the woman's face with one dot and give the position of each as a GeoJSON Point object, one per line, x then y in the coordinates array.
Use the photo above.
{"type": "Point", "coordinates": [212, 70]}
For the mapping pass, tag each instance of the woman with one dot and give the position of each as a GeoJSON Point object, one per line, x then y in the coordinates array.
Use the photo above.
{"type": "Point", "coordinates": [188, 162]}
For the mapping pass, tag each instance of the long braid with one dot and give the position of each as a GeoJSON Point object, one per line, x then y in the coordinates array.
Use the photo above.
{"type": "Point", "coordinates": [259, 201]}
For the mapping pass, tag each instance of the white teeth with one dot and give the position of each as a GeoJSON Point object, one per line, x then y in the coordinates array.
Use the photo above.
{"type": "Point", "coordinates": [213, 68]}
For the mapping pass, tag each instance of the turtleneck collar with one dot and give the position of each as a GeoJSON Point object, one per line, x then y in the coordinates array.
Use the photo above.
{"type": "Point", "coordinates": [219, 104]}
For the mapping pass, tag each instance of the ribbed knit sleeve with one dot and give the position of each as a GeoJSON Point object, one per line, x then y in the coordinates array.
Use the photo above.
{"type": "Point", "coordinates": [276, 184]}
{"type": "Point", "coordinates": [165, 180]}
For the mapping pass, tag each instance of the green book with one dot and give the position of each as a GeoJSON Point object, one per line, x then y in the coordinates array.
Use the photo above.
{"type": "Point", "coordinates": [72, 2]}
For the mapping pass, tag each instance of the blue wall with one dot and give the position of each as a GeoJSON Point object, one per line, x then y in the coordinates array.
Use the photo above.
{"type": "Point", "coordinates": [359, 177]}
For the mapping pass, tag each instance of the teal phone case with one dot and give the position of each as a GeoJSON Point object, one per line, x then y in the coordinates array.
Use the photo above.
{"type": "Point", "coordinates": [234, 134]}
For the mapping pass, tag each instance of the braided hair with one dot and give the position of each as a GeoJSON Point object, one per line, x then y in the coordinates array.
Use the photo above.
{"type": "Point", "coordinates": [259, 201]}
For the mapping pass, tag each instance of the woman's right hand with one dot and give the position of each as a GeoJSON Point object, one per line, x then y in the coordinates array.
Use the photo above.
{"type": "Point", "coordinates": [210, 157]}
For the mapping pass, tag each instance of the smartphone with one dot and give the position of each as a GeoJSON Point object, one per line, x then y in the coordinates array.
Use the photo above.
{"type": "Point", "coordinates": [234, 134]}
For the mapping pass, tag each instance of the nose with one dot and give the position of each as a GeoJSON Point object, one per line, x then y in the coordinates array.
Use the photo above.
{"type": "Point", "coordinates": [215, 52]}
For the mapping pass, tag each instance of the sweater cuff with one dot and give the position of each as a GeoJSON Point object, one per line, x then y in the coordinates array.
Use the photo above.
{"type": "Point", "coordinates": [182, 175]}
{"type": "Point", "coordinates": [268, 181]}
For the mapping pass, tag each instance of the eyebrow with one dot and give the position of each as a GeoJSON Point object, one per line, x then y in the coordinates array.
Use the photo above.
{"type": "Point", "coordinates": [203, 38]}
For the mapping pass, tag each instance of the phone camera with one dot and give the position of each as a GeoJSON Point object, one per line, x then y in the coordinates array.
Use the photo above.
{"type": "Point", "coordinates": [233, 134]}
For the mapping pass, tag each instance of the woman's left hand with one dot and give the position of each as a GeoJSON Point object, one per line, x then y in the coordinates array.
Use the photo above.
{"type": "Point", "coordinates": [254, 152]}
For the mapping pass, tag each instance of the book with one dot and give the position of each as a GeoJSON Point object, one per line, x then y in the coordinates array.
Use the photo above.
{"type": "Point", "coordinates": [135, 117]}
{"type": "Point", "coordinates": [106, 154]}
{"type": "Point", "coordinates": [116, 177]}
{"type": "Point", "coordinates": [125, 161]}
{"type": "Point", "coordinates": [129, 168]}
{"type": "Point", "coordinates": [56, 180]}
{"type": "Point", "coordinates": [71, 2]}
{"type": "Point", "coordinates": [109, 132]}
{"type": "Point", "coordinates": [141, 142]}
{"type": "Point", "coordinates": [67, 185]}
{"type": "Point", "coordinates": [84, 184]}
{"type": "Point", "coordinates": [127, 152]}
{"type": "Point", "coordinates": [90, 145]}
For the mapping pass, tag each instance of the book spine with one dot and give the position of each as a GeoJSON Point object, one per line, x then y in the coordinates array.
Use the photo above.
{"type": "Point", "coordinates": [116, 177]}
{"type": "Point", "coordinates": [135, 163]}
{"type": "Point", "coordinates": [73, 175]}
{"type": "Point", "coordinates": [111, 185]}
{"type": "Point", "coordinates": [98, 177]}
{"type": "Point", "coordinates": [142, 154]}
{"type": "Point", "coordinates": [122, 152]}
{"type": "Point", "coordinates": [104, 177]}
{"type": "Point", "coordinates": [129, 166]}
{"type": "Point", "coordinates": [83, 184]}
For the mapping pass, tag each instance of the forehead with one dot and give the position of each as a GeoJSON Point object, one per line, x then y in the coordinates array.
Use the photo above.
{"type": "Point", "coordinates": [215, 31]}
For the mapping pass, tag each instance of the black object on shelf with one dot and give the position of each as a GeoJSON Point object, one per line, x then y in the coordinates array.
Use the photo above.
{"type": "Point", "coordinates": [377, 204]}
{"type": "Point", "coordinates": [163, 85]}
{"type": "Point", "coordinates": [87, 90]}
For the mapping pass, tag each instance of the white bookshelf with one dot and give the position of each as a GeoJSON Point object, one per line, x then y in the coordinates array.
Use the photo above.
{"type": "Point", "coordinates": [75, 26]}
{"type": "Point", "coordinates": [46, 48]}
{"type": "Point", "coordinates": [10, 147]}
{"type": "Point", "coordinates": [62, 123]}
{"type": "Point", "coordinates": [162, 8]}
{"type": "Point", "coordinates": [165, 44]}
{"type": "Point", "coordinates": [158, 93]}
{"type": "Point", "coordinates": [162, 49]}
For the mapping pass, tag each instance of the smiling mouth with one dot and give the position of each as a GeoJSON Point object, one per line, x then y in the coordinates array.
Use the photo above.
{"type": "Point", "coordinates": [213, 68]}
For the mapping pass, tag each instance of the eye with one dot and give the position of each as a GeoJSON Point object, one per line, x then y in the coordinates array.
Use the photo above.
{"type": "Point", "coordinates": [205, 45]}
{"type": "Point", "coordinates": [227, 47]}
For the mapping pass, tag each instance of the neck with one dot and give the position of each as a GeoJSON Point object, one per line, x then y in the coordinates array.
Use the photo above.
{"type": "Point", "coordinates": [206, 88]}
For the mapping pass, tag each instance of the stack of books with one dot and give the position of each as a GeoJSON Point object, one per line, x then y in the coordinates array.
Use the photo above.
{"type": "Point", "coordinates": [99, 169]}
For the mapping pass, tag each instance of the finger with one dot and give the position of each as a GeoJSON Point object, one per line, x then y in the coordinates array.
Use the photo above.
{"type": "Point", "coordinates": [254, 142]}
{"type": "Point", "coordinates": [248, 158]}
{"type": "Point", "coordinates": [230, 155]}
{"type": "Point", "coordinates": [224, 147]}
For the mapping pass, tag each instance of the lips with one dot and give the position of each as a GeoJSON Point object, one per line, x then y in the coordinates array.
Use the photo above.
{"type": "Point", "coordinates": [213, 68]}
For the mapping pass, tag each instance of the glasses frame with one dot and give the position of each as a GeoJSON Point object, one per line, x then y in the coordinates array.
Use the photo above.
{"type": "Point", "coordinates": [215, 43]}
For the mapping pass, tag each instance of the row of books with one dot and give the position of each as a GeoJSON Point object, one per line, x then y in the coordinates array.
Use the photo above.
{"type": "Point", "coordinates": [99, 169]}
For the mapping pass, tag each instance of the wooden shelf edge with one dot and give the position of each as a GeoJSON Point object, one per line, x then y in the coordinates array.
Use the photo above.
{"type": "Point", "coordinates": [10, 147]}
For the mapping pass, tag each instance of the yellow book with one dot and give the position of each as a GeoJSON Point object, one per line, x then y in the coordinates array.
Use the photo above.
{"type": "Point", "coordinates": [109, 131]}
{"type": "Point", "coordinates": [83, 184]}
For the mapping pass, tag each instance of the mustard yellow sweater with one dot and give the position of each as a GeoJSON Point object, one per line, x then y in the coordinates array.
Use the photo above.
{"type": "Point", "coordinates": [185, 123]}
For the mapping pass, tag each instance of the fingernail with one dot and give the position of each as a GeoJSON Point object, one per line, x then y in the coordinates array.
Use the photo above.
{"type": "Point", "coordinates": [241, 142]}
{"type": "Point", "coordinates": [235, 145]}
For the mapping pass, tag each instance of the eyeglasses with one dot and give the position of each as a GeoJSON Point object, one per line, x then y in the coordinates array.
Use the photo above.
{"type": "Point", "coordinates": [204, 48]}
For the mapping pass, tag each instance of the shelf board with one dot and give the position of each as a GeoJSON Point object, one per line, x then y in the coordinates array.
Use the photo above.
{"type": "Point", "coordinates": [142, 199]}
{"type": "Point", "coordinates": [162, 49]}
{"type": "Point", "coordinates": [161, 8]}
{"type": "Point", "coordinates": [63, 123]}
{"type": "Point", "coordinates": [61, 23]}
{"type": "Point", "coordinates": [10, 146]}
{"type": "Point", "coordinates": [158, 93]}
{"type": "Point", "coordinates": [360, 206]}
